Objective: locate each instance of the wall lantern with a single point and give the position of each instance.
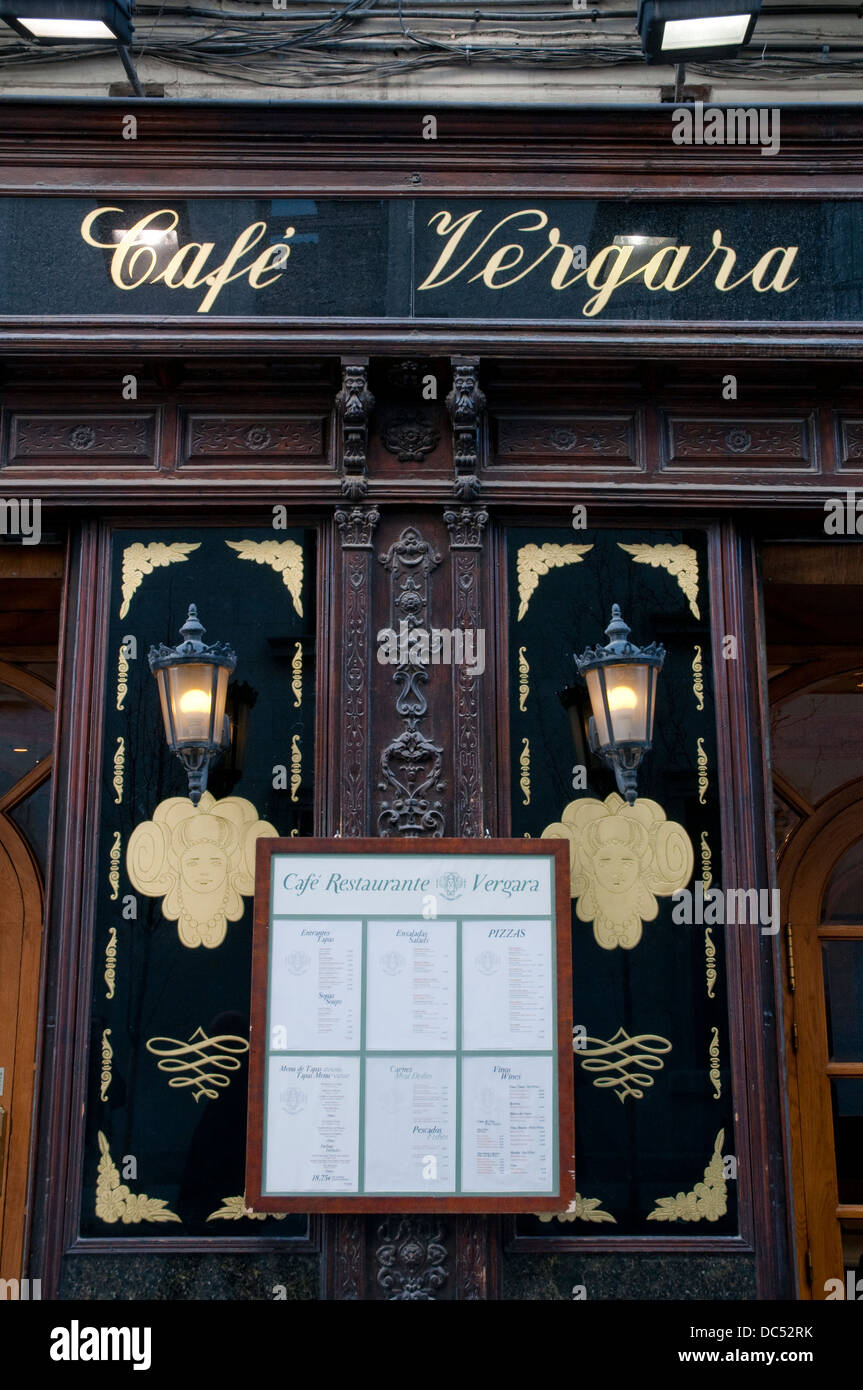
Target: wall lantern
(193, 686)
(673, 31)
(621, 682)
(68, 21)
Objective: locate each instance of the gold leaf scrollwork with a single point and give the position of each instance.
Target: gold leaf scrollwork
(524, 762)
(285, 557)
(122, 672)
(234, 1209)
(681, 562)
(200, 860)
(139, 560)
(111, 962)
(698, 679)
(107, 1054)
(715, 1079)
(582, 1209)
(703, 782)
(297, 675)
(533, 561)
(523, 678)
(119, 765)
(200, 1063)
(621, 859)
(707, 1201)
(296, 766)
(114, 1201)
(624, 1063)
(709, 945)
(114, 871)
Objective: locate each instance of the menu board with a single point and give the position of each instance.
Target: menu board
(411, 1040)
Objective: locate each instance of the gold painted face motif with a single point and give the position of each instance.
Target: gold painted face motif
(200, 860)
(616, 866)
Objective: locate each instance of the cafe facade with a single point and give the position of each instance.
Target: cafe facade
(337, 375)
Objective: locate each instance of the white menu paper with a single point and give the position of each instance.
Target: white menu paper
(410, 1124)
(312, 1125)
(315, 985)
(411, 985)
(508, 987)
(507, 1124)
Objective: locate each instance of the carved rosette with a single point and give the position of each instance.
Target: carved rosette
(410, 1259)
(466, 526)
(410, 435)
(354, 404)
(357, 528)
(410, 765)
(466, 404)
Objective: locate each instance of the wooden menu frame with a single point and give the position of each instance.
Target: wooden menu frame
(561, 1032)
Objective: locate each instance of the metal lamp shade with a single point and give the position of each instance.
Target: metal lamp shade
(70, 21)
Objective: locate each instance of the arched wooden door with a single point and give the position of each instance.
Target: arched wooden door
(821, 880)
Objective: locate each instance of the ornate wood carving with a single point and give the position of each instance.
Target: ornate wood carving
(465, 530)
(466, 404)
(411, 1258)
(81, 437)
(354, 404)
(410, 765)
(411, 435)
(259, 436)
(850, 444)
(751, 444)
(357, 528)
(576, 436)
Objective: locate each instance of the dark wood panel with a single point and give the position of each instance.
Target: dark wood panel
(738, 443)
(220, 441)
(76, 440)
(558, 440)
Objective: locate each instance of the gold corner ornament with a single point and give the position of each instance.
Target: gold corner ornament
(707, 1201)
(533, 561)
(115, 1202)
(110, 976)
(681, 562)
(524, 763)
(200, 860)
(119, 765)
(582, 1209)
(715, 1079)
(139, 559)
(235, 1209)
(114, 859)
(703, 780)
(122, 673)
(297, 675)
(624, 1063)
(285, 557)
(107, 1069)
(296, 766)
(621, 859)
(203, 1063)
(698, 679)
(523, 678)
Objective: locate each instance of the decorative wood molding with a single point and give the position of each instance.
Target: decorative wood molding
(412, 1261)
(354, 404)
(740, 444)
(357, 528)
(81, 438)
(466, 526)
(466, 404)
(411, 435)
(605, 438)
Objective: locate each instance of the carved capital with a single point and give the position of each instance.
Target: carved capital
(354, 404)
(466, 404)
(466, 527)
(357, 527)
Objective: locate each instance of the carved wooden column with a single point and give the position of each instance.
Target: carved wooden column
(357, 527)
(354, 404)
(466, 526)
(466, 404)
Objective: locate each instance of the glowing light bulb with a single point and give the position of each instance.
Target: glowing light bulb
(195, 702)
(622, 697)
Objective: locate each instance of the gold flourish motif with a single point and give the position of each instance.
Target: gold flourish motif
(535, 560)
(523, 678)
(709, 947)
(703, 782)
(681, 562)
(111, 962)
(189, 1062)
(297, 675)
(296, 766)
(107, 1054)
(139, 560)
(624, 1063)
(621, 857)
(285, 557)
(122, 672)
(582, 1209)
(714, 1064)
(114, 1201)
(234, 1209)
(708, 1199)
(200, 860)
(119, 764)
(524, 761)
(114, 871)
(698, 679)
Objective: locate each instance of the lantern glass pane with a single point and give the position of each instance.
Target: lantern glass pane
(627, 692)
(191, 694)
(595, 682)
(221, 698)
(163, 701)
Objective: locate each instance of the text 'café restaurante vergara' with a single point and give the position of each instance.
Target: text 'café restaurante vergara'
(462, 537)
